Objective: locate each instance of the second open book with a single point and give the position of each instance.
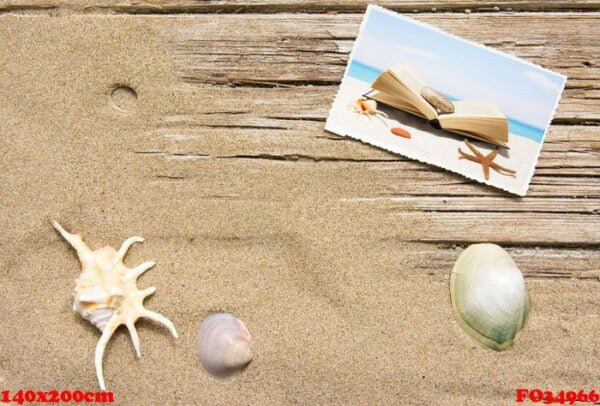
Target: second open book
(400, 87)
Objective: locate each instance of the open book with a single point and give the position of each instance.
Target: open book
(400, 87)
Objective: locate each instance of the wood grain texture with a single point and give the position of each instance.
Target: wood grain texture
(260, 93)
(313, 6)
(290, 50)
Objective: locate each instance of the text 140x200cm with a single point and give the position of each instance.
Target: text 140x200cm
(54, 396)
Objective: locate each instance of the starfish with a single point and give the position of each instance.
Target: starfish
(486, 161)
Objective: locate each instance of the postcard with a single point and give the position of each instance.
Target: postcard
(415, 90)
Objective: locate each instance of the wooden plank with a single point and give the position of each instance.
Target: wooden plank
(278, 126)
(561, 210)
(505, 228)
(287, 124)
(282, 40)
(481, 205)
(275, 128)
(313, 6)
(381, 194)
(539, 263)
(285, 50)
(273, 134)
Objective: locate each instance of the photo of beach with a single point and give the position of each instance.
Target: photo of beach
(459, 70)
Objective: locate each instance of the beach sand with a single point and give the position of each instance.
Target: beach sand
(344, 305)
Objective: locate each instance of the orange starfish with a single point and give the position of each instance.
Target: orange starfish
(486, 161)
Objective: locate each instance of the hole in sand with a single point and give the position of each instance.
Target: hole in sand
(123, 98)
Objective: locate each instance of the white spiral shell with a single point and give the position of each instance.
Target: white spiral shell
(106, 293)
(224, 345)
(488, 295)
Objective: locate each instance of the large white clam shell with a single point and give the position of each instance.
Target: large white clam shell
(488, 295)
(224, 345)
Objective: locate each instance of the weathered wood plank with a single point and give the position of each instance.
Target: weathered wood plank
(287, 124)
(448, 204)
(443, 208)
(569, 150)
(283, 46)
(536, 262)
(286, 50)
(384, 193)
(313, 6)
(392, 180)
(284, 126)
(505, 229)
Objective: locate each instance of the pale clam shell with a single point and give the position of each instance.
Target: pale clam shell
(488, 295)
(224, 345)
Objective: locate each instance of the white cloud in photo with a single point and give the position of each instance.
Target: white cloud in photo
(542, 81)
(418, 52)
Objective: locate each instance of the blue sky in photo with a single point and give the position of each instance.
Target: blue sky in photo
(459, 69)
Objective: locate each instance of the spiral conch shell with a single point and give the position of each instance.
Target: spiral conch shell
(224, 345)
(106, 293)
(488, 295)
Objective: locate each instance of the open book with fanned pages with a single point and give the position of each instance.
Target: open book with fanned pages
(400, 87)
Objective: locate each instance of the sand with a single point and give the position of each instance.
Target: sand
(429, 145)
(343, 307)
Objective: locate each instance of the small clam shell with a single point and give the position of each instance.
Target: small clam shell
(224, 345)
(488, 295)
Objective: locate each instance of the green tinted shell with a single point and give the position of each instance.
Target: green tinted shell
(488, 295)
